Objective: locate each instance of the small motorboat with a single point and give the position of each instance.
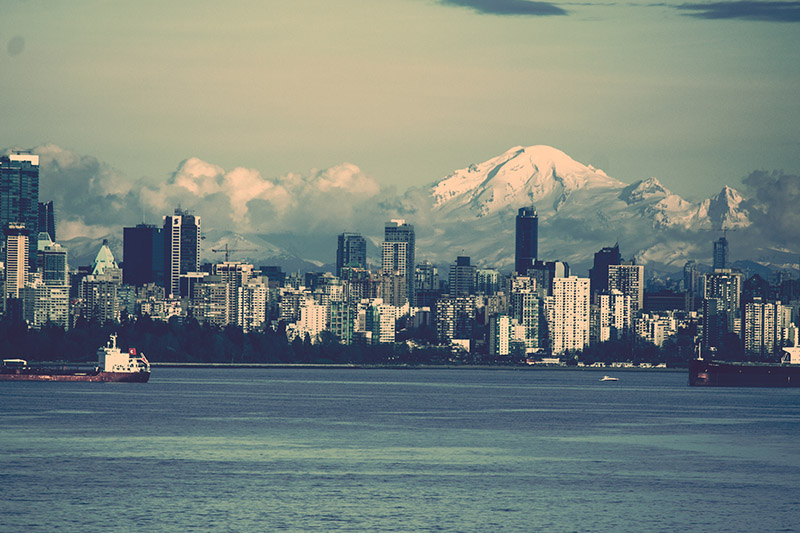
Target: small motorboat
(609, 378)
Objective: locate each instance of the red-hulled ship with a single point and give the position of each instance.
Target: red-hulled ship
(112, 365)
(710, 373)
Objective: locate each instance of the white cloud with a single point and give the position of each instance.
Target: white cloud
(91, 197)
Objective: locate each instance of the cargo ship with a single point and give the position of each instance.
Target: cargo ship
(711, 373)
(112, 365)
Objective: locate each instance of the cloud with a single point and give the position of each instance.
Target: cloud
(91, 198)
(774, 197)
(16, 45)
(508, 7)
(745, 10)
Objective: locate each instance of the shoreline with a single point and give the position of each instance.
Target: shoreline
(328, 366)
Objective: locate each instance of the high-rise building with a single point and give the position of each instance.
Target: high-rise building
(427, 285)
(568, 314)
(487, 281)
(544, 272)
(19, 195)
(236, 275)
(726, 286)
(455, 317)
(47, 219)
(16, 260)
(427, 276)
(527, 240)
(313, 321)
(98, 299)
(251, 306)
(629, 280)
(45, 303)
(143, 255)
(210, 301)
(691, 285)
(611, 316)
(392, 287)
(598, 274)
(342, 321)
(500, 335)
(51, 261)
(462, 277)
(351, 251)
(760, 333)
(380, 320)
(715, 323)
(525, 307)
(398, 231)
(181, 248)
(721, 253)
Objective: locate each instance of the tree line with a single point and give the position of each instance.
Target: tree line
(188, 341)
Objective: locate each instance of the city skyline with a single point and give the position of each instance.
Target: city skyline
(296, 217)
(541, 305)
(697, 95)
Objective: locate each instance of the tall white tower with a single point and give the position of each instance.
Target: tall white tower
(181, 248)
(17, 259)
(568, 314)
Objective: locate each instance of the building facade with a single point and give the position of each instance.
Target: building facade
(351, 250)
(181, 248)
(568, 314)
(19, 195)
(526, 248)
(143, 255)
(398, 231)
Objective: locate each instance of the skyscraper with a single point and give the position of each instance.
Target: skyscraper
(760, 334)
(181, 248)
(598, 274)
(462, 277)
(525, 306)
(721, 253)
(725, 285)
(47, 219)
(629, 280)
(236, 275)
(16, 260)
(351, 250)
(527, 246)
(51, 261)
(397, 231)
(142, 255)
(691, 284)
(568, 314)
(544, 272)
(19, 195)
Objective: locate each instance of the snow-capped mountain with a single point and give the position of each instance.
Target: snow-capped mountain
(472, 212)
(580, 210)
(520, 176)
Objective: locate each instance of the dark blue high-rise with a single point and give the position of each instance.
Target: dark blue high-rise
(351, 251)
(527, 248)
(19, 195)
(142, 255)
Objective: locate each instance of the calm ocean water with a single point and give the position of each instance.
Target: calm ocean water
(398, 450)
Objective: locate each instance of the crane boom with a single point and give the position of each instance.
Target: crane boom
(228, 251)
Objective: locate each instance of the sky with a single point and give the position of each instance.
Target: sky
(699, 95)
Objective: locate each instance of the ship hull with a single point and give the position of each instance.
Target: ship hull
(705, 373)
(106, 377)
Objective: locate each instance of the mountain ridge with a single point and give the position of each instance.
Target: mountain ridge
(471, 211)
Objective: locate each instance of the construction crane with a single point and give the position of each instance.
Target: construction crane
(229, 250)
(723, 230)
